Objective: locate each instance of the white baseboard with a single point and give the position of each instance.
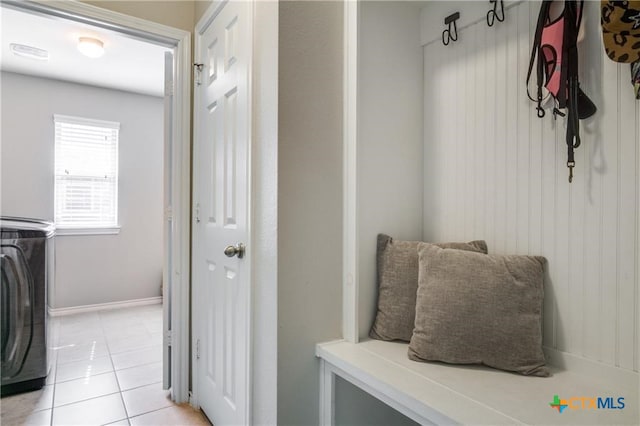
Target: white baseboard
(58, 312)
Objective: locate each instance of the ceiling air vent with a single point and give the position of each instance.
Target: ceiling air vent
(29, 52)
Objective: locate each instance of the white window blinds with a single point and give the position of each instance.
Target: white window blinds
(86, 172)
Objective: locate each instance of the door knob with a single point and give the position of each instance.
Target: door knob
(237, 250)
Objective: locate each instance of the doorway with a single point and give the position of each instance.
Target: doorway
(176, 168)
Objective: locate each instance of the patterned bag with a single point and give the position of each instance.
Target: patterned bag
(621, 35)
(635, 78)
(621, 30)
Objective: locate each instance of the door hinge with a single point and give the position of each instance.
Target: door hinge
(168, 213)
(167, 335)
(198, 349)
(168, 88)
(197, 68)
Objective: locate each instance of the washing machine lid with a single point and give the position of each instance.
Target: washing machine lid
(20, 227)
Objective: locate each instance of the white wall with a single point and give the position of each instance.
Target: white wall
(89, 269)
(390, 136)
(309, 199)
(495, 171)
(472, 11)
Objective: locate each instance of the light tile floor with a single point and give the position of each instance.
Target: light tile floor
(107, 370)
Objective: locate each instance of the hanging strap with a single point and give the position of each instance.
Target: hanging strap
(567, 96)
(536, 53)
(573, 18)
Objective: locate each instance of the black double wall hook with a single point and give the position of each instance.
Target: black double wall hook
(451, 33)
(494, 14)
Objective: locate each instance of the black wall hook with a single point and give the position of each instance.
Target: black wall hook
(451, 33)
(494, 14)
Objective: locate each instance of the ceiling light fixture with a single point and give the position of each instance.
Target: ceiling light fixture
(29, 52)
(91, 47)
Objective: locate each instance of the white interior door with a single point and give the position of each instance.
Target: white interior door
(221, 281)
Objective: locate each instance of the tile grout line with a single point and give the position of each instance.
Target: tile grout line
(88, 399)
(84, 377)
(126, 412)
(141, 348)
(138, 387)
(104, 372)
(152, 411)
(113, 372)
(85, 400)
(134, 349)
(55, 378)
(57, 363)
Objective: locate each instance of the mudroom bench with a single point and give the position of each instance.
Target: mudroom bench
(435, 393)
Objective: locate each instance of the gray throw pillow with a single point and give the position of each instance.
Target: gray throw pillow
(397, 263)
(479, 309)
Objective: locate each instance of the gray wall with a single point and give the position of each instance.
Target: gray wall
(309, 199)
(355, 407)
(390, 141)
(89, 269)
(180, 14)
(390, 156)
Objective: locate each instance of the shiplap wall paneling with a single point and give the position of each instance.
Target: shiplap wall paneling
(627, 244)
(495, 171)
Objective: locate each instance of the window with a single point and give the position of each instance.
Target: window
(86, 175)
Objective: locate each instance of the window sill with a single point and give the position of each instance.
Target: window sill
(111, 230)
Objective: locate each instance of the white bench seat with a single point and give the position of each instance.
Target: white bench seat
(446, 394)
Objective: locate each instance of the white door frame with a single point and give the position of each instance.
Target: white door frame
(350, 283)
(180, 167)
